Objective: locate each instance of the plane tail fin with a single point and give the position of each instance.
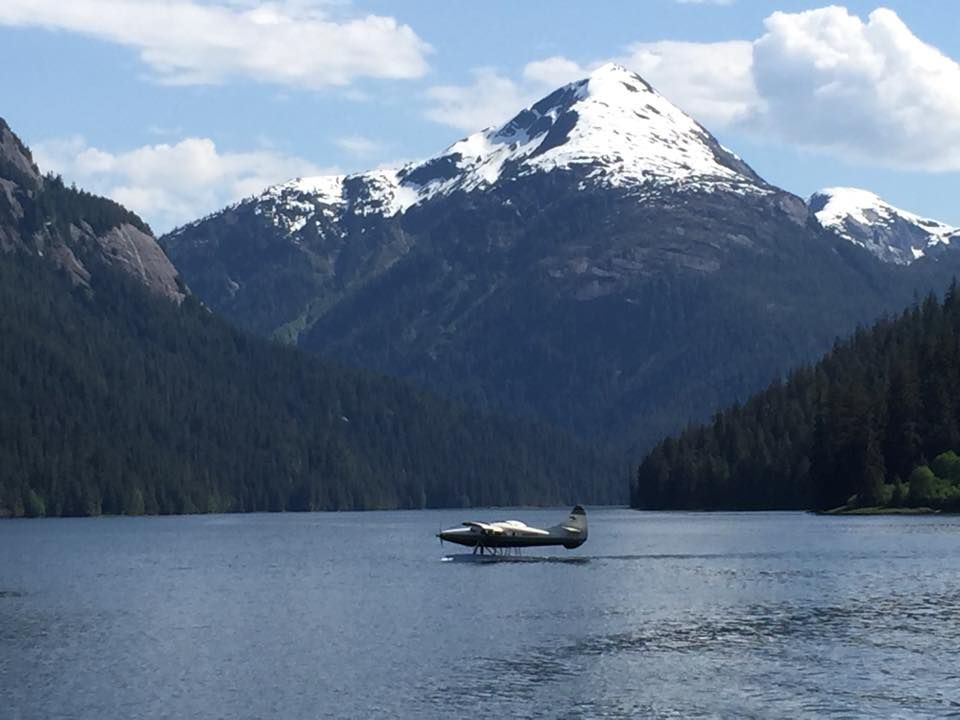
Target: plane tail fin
(577, 519)
(575, 526)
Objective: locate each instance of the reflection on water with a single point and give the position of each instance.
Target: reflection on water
(351, 615)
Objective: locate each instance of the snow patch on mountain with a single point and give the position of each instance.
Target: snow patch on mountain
(892, 234)
(327, 189)
(379, 193)
(613, 124)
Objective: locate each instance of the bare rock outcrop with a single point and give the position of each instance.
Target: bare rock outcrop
(71, 228)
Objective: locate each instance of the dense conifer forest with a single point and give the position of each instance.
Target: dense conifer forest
(65, 206)
(113, 401)
(856, 429)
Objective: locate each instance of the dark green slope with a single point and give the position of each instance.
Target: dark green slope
(856, 423)
(115, 401)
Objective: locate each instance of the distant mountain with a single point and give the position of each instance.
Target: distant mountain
(600, 261)
(852, 428)
(119, 393)
(39, 215)
(892, 234)
(278, 261)
(613, 127)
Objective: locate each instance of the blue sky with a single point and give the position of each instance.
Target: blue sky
(178, 107)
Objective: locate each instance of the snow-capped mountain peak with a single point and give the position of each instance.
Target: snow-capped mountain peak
(611, 129)
(892, 234)
(612, 125)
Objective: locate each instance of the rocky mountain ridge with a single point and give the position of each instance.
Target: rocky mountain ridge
(37, 215)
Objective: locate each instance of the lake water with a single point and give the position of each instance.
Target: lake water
(355, 615)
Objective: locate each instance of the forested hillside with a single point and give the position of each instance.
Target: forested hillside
(114, 401)
(852, 428)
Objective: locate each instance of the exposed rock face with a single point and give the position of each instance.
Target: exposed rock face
(41, 216)
(15, 159)
(599, 261)
(139, 254)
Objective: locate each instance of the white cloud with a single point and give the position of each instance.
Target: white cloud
(170, 184)
(710, 81)
(290, 42)
(871, 91)
(553, 71)
(490, 98)
(357, 145)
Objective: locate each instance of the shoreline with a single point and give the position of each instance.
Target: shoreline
(845, 510)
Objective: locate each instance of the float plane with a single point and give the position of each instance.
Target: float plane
(496, 537)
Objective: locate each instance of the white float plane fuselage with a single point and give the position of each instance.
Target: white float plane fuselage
(515, 534)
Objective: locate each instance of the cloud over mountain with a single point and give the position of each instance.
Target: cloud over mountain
(711, 81)
(169, 184)
(486, 100)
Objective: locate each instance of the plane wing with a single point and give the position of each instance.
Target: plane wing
(508, 527)
(518, 528)
(484, 527)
